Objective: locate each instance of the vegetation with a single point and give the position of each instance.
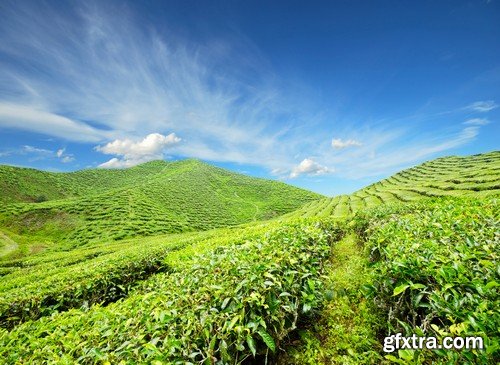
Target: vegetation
(150, 199)
(321, 285)
(226, 305)
(436, 273)
(477, 175)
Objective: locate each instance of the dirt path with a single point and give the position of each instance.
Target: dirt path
(7, 245)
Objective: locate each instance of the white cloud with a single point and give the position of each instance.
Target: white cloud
(477, 121)
(35, 150)
(30, 118)
(135, 152)
(338, 143)
(482, 106)
(67, 159)
(37, 153)
(114, 163)
(63, 156)
(309, 167)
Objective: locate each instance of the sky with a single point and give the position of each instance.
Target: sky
(327, 96)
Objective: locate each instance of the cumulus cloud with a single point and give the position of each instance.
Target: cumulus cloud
(135, 152)
(309, 167)
(339, 144)
(482, 106)
(477, 121)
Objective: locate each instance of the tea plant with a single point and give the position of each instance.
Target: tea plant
(477, 175)
(227, 305)
(150, 199)
(436, 267)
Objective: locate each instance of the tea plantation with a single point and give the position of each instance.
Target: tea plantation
(416, 253)
(477, 175)
(153, 198)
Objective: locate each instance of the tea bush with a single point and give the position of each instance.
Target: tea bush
(227, 305)
(437, 268)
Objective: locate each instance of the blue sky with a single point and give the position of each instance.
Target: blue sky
(329, 96)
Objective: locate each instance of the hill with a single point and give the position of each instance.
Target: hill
(28, 185)
(319, 290)
(477, 175)
(153, 198)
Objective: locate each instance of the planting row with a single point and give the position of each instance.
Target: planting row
(100, 275)
(224, 306)
(436, 269)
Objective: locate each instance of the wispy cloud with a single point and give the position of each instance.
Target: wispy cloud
(35, 150)
(135, 152)
(36, 153)
(482, 106)
(34, 119)
(391, 158)
(94, 74)
(477, 121)
(104, 78)
(339, 144)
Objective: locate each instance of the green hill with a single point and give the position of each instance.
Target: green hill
(477, 175)
(153, 198)
(318, 290)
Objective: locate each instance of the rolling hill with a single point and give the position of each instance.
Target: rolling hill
(477, 175)
(153, 198)
(310, 287)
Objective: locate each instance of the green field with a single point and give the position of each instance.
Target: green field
(185, 263)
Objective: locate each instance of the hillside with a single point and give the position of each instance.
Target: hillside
(156, 197)
(319, 290)
(19, 184)
(477, 175)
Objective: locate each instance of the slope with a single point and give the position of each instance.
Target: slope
(153, 198)
(477, 175)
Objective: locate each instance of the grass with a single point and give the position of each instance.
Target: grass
(345, 330)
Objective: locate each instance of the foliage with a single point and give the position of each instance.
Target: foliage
(228, 304)
(244, 294)
(436, 273)
(57, 281)
(476, 175)
(150, 199)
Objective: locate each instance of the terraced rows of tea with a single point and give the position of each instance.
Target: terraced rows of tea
(153, 198)
(295, 290)
(477, 175)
